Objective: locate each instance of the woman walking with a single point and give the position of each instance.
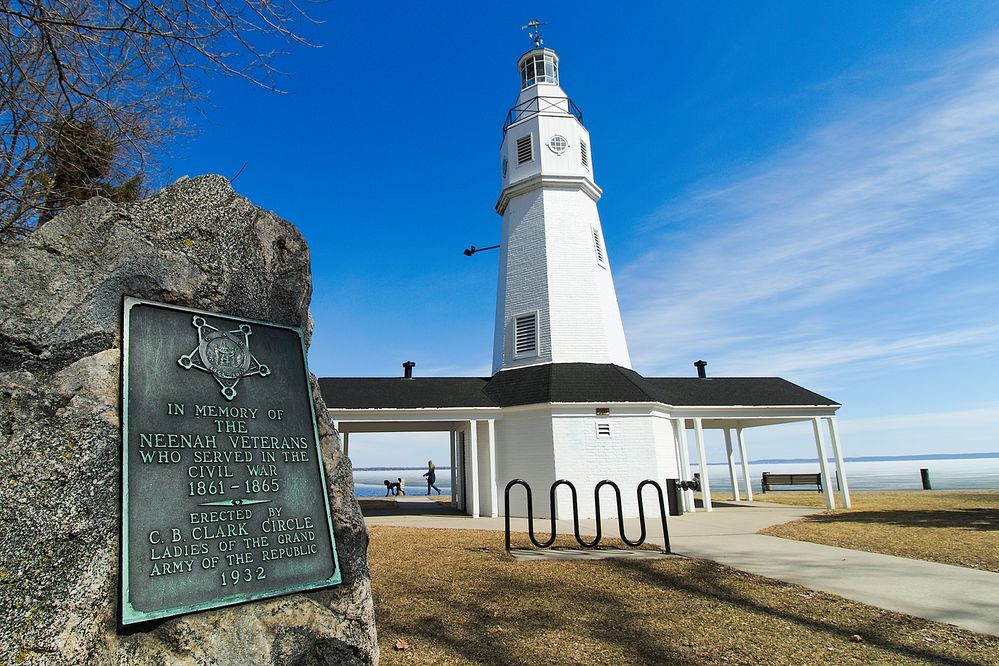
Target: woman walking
(431, 475)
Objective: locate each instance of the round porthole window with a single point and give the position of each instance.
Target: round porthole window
(558, 144)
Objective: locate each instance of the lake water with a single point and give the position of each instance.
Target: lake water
(864, 475)
(877, 475)
(370, 483)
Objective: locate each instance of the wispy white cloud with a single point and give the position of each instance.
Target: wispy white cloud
(454, 370)
(873, 239)
(810, 356)
(947, 420)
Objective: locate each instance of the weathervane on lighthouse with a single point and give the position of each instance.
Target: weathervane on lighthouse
(534, 25)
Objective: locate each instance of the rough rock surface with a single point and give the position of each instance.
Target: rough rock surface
(197, 244)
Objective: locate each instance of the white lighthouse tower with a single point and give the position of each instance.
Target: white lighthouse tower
(556, 301)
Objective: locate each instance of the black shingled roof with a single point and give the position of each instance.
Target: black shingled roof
(400, 393)
(562, 383)
(567, 382)
(733, 391)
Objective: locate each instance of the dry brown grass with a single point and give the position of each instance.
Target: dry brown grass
(454, 597)
(959, 527)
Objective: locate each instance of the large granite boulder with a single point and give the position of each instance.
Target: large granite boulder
(196, 244)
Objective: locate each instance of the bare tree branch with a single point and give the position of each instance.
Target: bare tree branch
(125, 71)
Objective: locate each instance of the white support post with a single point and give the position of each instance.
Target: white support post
(681, 439)
(844, 488)
(741, 438)
(703, 464)
(346, 443)
(454, 469)
(473, 448)
(491, 433)
(823, 468)
(459, 447)
(731, 464)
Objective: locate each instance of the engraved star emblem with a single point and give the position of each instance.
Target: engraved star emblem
(224, 354)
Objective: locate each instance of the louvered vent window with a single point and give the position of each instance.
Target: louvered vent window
(598, 246)
(525, 342)
(525, 151)
(603, 430)
(584, 154)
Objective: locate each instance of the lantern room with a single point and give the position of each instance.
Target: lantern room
(538, 66)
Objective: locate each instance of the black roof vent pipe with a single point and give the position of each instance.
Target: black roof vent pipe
(407, 368)
(700, 365)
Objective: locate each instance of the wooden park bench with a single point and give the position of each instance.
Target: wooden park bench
(770, 480)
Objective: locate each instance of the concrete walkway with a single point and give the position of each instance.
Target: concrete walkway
(955, 595)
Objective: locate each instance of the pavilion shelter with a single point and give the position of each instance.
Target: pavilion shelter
(508, 426)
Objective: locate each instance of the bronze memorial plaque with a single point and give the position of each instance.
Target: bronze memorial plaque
(223, 492)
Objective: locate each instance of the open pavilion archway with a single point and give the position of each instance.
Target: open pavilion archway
(472, 433)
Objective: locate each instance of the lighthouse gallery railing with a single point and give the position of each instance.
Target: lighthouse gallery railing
(536, 105)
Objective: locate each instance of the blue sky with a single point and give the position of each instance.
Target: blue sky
(801, 189)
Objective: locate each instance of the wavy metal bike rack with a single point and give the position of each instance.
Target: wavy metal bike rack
(575, 513)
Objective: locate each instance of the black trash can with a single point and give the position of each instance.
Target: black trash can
(674, 496)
